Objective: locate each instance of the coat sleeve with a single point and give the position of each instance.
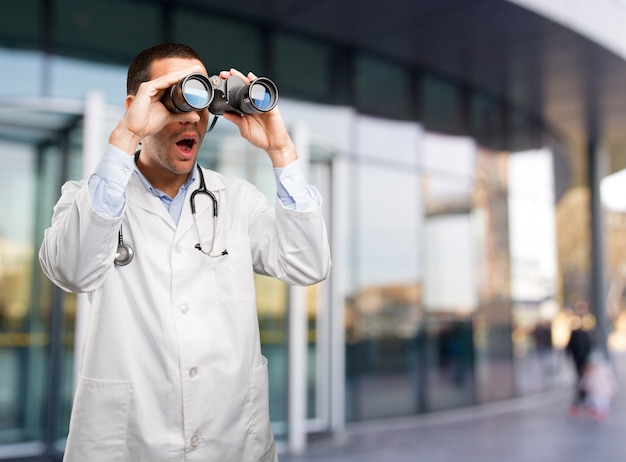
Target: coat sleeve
(288, 244)
(79, 246)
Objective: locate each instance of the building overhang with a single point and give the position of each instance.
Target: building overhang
(574, 85)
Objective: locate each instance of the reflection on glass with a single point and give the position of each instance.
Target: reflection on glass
(36, 319)
(449, 262)
(534, 280)
(272, 297)
(384, 312)
(22, 340)
(492, 320)
(450, 271)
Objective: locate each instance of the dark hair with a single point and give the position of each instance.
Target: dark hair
(140, 68)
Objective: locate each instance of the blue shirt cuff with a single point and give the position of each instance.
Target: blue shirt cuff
(108, 182)
(293, 190)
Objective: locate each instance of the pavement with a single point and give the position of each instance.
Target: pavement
(533, 428)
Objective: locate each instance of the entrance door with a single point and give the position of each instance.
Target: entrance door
(38, 150)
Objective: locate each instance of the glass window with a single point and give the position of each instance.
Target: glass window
(493, 318)
(449, 301)
(23, 361)
(486, 120)
(272, 304)
(524, 134)
(20, 73)
(451, 260)
(449, 156)
(384, 311)
(222, 43)
(382, 88)
(388, 141)
(36, 318)
(534, 282)
(70, 78)
(441, 108)
(57, 308)
(106, 30)
(20, 24)
(303, 67)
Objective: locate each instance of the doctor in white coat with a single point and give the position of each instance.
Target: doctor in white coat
(172, 368)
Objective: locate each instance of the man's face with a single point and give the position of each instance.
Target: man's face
(175, 147)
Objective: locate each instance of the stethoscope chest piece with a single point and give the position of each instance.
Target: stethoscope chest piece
(124, 253)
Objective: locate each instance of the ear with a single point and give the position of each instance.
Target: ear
(129, 99)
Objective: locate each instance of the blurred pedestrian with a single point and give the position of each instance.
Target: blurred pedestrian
(579, 348)
(599, 386)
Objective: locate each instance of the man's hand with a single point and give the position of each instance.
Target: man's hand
(145, 114)
(265, 130)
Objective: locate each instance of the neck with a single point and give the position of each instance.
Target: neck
(161, 178)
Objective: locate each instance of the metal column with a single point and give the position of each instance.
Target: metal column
(595, 157)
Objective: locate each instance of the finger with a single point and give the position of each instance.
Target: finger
(167, 80)
(234, 118)
(234, 71)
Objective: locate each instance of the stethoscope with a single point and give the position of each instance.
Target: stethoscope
(192, 201)
(125, 253)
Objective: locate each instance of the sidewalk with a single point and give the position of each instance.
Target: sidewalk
(529, 429)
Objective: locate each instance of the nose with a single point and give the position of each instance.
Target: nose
(192, 117)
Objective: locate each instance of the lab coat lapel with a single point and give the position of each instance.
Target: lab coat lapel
(137, 193)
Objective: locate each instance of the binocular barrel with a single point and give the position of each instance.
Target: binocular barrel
(197, 91)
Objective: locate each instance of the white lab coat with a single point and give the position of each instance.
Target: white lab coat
(172, 368)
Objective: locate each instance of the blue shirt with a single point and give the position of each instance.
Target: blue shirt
(109, 180)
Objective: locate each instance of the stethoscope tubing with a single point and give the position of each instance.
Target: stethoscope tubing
(125, 252)
(202, 189)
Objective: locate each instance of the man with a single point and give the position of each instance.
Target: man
(172, 368)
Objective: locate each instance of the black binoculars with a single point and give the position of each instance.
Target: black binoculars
(197, 91)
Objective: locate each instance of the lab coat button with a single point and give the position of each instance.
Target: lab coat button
(184, 308)
(193, 372)
(178, 248)
(195, 440)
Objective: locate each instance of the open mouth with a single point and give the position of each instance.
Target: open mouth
(186, 145)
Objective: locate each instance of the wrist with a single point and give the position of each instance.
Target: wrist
(283, 156)
(124, 139)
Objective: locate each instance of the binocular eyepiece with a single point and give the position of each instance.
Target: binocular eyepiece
(197, 91)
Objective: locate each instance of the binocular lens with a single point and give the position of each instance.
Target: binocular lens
(193, 93)
(197, 94)
(261, 96)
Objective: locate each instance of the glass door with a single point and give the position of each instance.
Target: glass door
(318, 320)
(36, 318)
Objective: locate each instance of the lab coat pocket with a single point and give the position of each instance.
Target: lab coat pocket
(264, 447)
(99, 421)
(234, 272)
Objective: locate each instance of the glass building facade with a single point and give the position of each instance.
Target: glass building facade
(442, 201)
